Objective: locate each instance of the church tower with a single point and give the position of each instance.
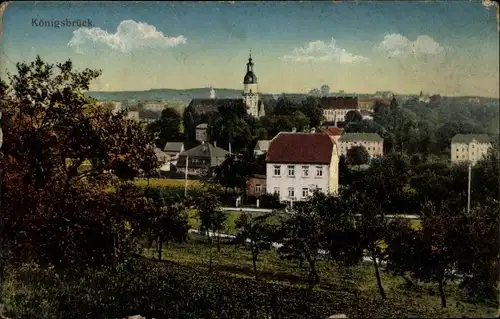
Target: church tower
(251, 91)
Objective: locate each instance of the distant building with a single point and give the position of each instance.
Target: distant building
(164, 160)
(366, 115)
(469, 147)
(366, 104)
(335, 108)
(173, 149)
(256, 185)
(261, 147)
(373, 143)
(299, 163)
(333, 132)
(201, 160)
(133, 115)
(201, 132)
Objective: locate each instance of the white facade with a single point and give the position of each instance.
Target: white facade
(294, 182)
(374, 148)
(251, 97)
(336, 115)
(471, 152)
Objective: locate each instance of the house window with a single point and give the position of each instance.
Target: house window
(291, 170)
(305, 192)
(257, 188)
(291, 192)
(472, 145)
(305, 171)
(277, 170)
(319, 171)
(277, 191)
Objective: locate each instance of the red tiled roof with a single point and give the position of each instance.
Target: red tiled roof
(332, 131)
(300, 148)
(337, 102)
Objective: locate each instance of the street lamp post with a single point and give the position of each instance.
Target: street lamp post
(469, 186)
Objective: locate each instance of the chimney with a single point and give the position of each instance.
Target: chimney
(313, 130)
(294, 130)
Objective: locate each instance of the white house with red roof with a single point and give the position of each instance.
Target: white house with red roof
(299, 163)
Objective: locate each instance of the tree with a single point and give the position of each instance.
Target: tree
(300, 121)
(66, 219)
(212, 220)
(166, 221)
(303, 232)
(353, 116)
(255, 234)
(371, 229)
(311, 108)
(357, 155)
(325, 90)
(167, 127)
(478, 259)
(315, 92)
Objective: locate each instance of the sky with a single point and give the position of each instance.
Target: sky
(448, 48)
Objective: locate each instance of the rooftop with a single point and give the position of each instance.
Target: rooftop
(468, 138)
(348, 137)
(300, 148)
(339, 102)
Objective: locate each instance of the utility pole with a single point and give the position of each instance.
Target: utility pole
(469, 186)
(186, 177)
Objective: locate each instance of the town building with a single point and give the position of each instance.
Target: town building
(261, 147)
(201, 160)
(164, 160)
(366, 104)
(173, 149)
(256, 185)
(297, 164)
(333, 132)
(336, 107)
(469, 147)
(201, 132)
(373, 143)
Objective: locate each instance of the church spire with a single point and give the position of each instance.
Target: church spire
(250, 77)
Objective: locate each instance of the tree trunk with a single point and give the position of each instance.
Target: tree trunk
(313, 274)
(2, 274)
(218, 243)
(377, 274)
(159, 247)
(441, 293)
(210, 254)
(254, 262)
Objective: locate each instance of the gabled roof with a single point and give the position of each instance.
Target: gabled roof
(173, 147)
(300, 148)
(349, 137)
(467, 138)
(332, 131)
(204, 151)
(160, 154)
(338, 102)
(262, 145)
(204, 106)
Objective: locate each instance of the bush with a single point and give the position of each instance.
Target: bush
(271, 201)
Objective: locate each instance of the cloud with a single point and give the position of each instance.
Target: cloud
(488, 3)
(397, 45)
(129, 36)
(319, 51)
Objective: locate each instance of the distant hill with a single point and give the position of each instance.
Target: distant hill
(165, 94)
